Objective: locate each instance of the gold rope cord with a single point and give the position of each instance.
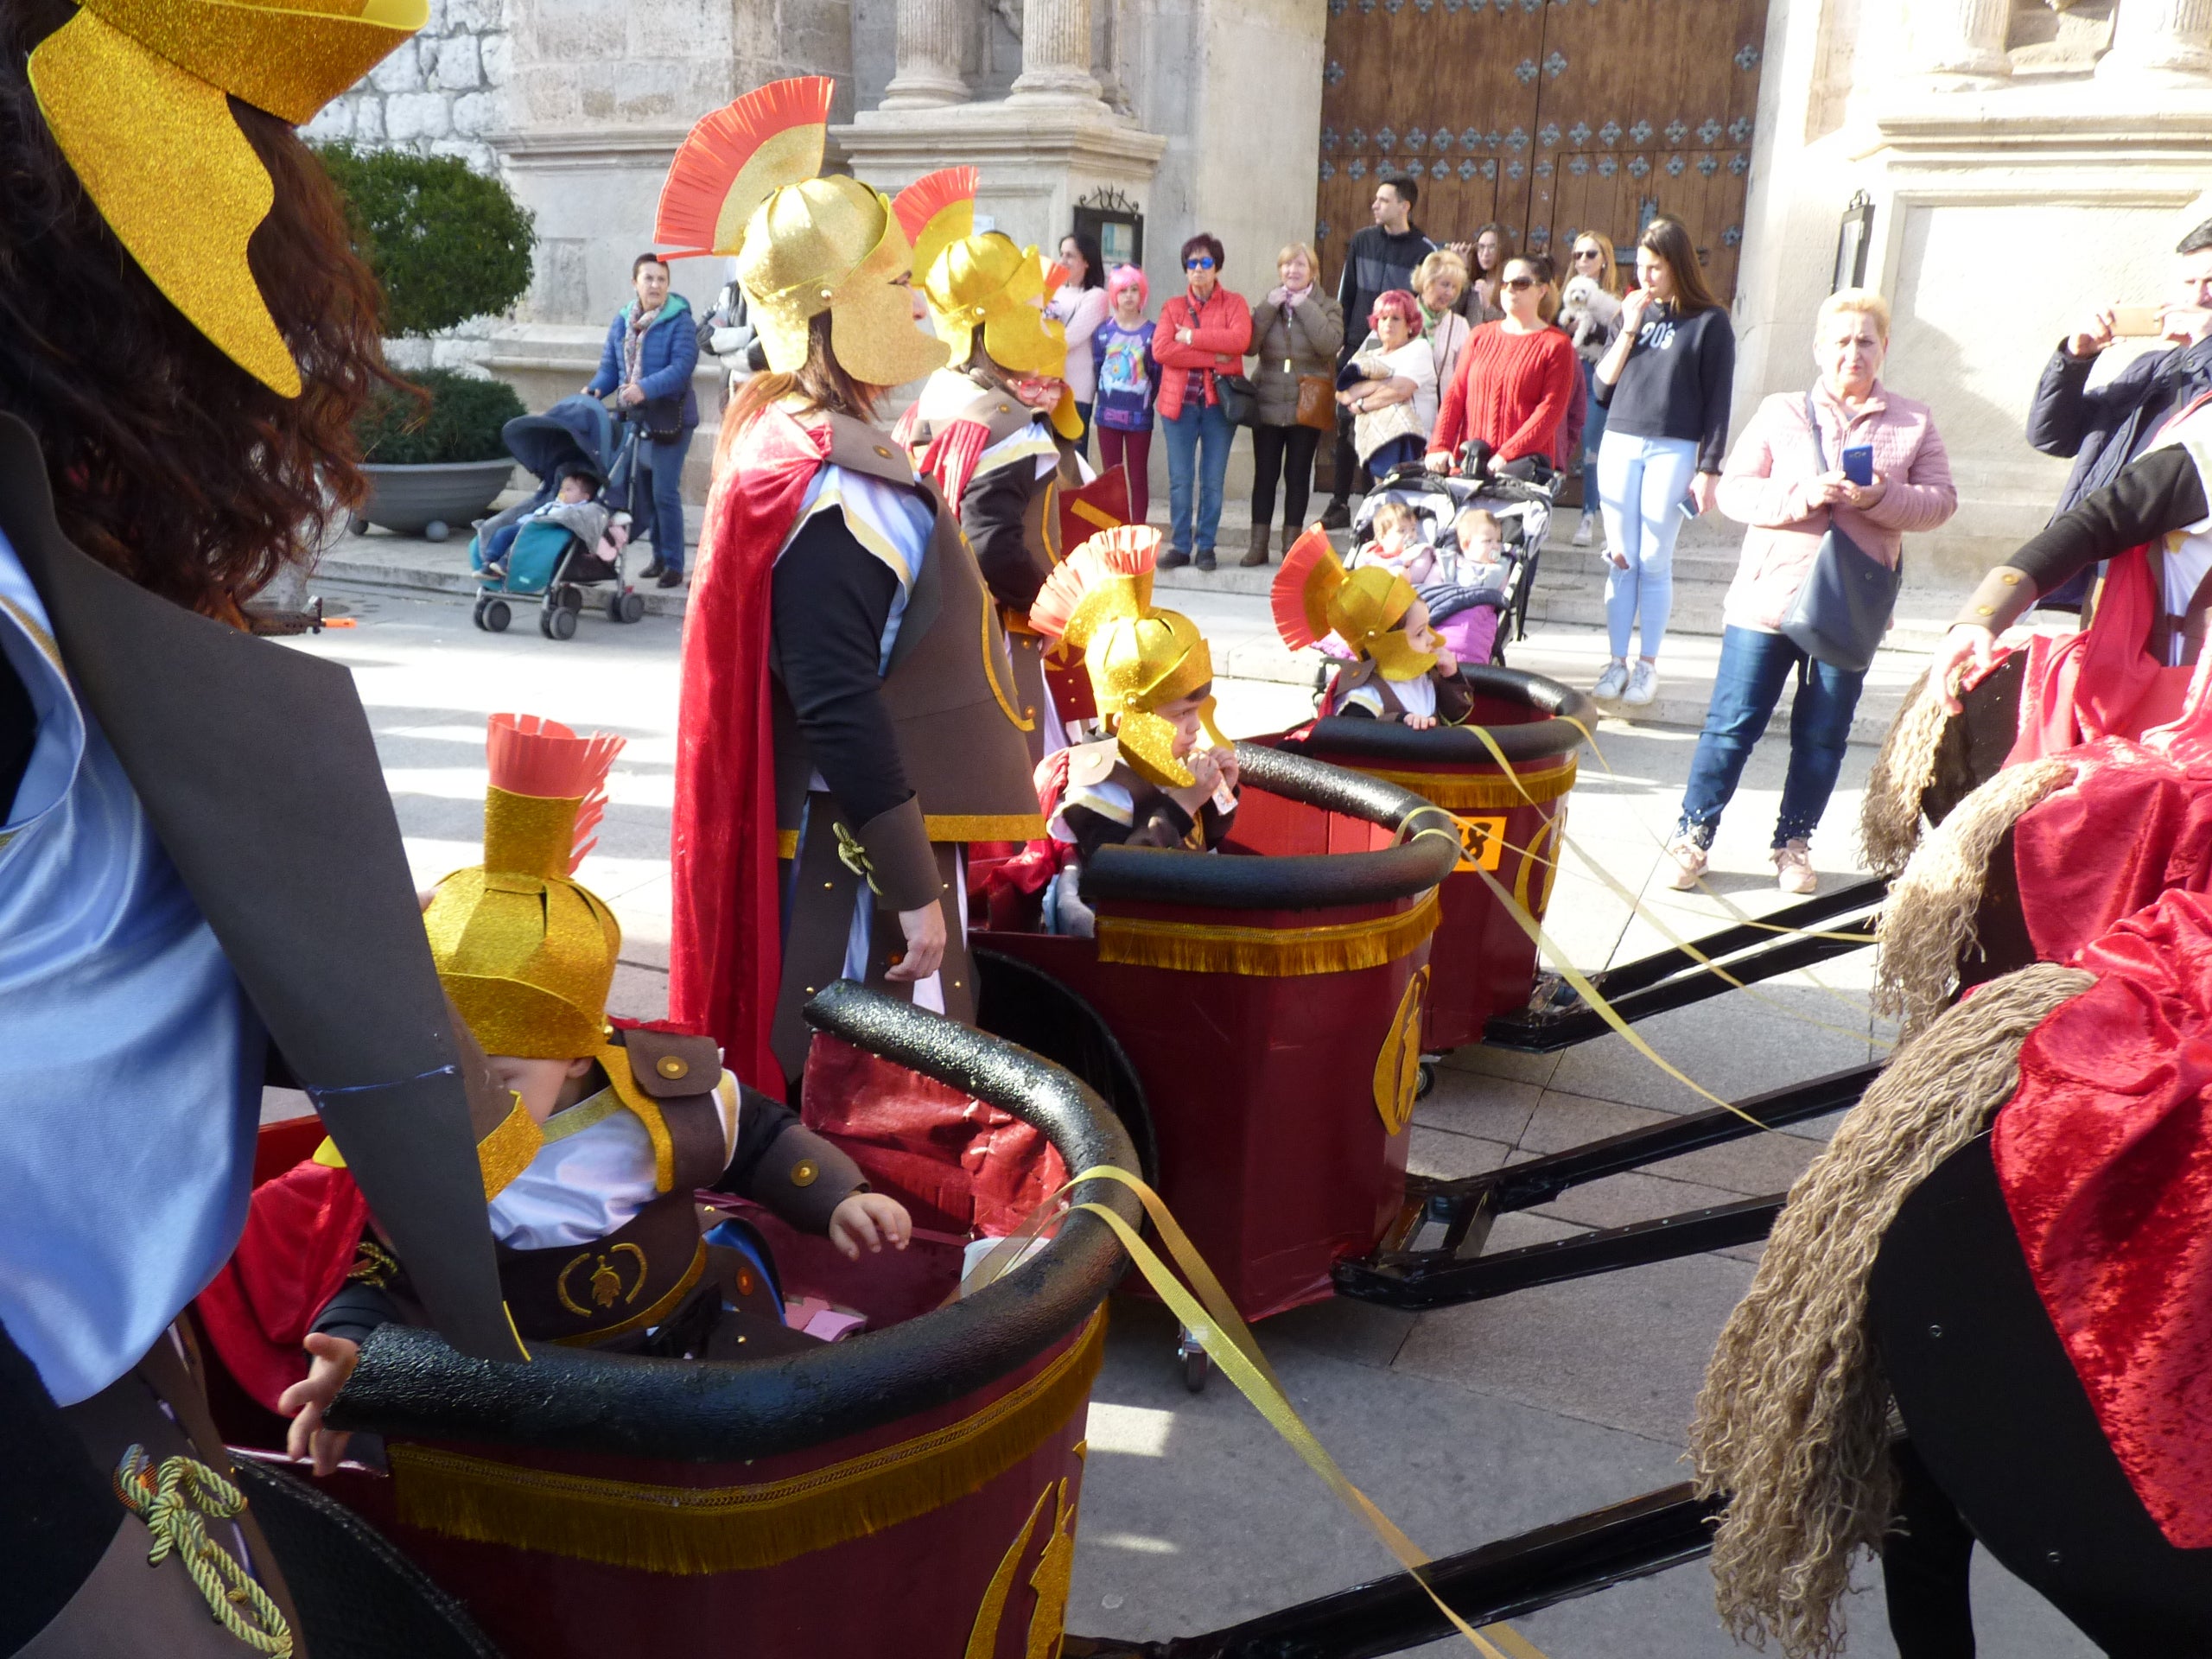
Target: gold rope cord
(171, 1498)
(1267, 952)
(693, 1530)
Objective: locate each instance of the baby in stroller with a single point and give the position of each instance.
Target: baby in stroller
(575, 507)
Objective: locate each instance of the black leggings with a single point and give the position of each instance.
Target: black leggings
(1288, 450)
(1925, 1568)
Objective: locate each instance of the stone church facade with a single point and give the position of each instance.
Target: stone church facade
(1994, 165)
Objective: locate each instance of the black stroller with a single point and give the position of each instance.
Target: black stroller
(1522, 507)
(545, 561)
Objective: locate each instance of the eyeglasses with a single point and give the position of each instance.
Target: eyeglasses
(1520, 281)
(1203, 262)
(1588, 253)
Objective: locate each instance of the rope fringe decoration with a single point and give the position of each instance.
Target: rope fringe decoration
(1793, 1421)
(1888, 818)
(171, 1498)
(1928, 925)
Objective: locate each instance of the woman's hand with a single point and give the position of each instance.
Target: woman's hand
(1704, 490)
(1438, 460)
(332, 1361)
(924, 932)
(1863, 496)
(1279, 294)
(873, 1219)
(633, 394)
(1967, 643)
(1634, 304)
(1185, 336)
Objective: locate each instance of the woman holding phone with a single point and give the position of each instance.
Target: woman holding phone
(1664, 385)
(1849, 454)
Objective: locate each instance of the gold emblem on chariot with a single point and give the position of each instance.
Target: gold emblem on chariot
(1397, 1068)
(602, 1284)
(1482, 841)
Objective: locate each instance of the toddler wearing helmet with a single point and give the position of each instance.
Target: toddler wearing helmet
(1404, 672)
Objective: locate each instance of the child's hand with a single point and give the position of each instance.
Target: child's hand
(1420, 722)
(333, 1359)
(1446, 664)
(1225, 767)
(870, 1218)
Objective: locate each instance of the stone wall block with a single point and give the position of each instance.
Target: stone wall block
(496, 57)
(400, 72)
(368, 121)
(460, 69)
(475, 114)
(411, 116)
(334, 124)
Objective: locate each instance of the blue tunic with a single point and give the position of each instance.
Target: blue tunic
(127, 1106)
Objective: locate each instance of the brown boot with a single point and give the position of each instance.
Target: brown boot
(1257, 553)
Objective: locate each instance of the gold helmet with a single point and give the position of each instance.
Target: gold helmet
(985, 284)
(525, 953)
(744, 183)
(1314, 595)
(137, 94)
(1140, 658)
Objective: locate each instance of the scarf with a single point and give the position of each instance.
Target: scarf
(633, 343)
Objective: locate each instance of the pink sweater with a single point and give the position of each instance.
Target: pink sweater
(1769, 476)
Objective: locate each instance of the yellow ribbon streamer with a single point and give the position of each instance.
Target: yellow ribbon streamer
(1212, 1318)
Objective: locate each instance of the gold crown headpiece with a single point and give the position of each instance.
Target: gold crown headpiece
(1140, 658)
(745, 183)
(136, 93)
(1312, 595)
(985, 283)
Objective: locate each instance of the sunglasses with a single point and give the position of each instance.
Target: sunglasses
(1201, 263)
(1520, 281)
(1588, 253)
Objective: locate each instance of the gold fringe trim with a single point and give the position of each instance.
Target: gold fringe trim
(1927, 922)
(507, 1151)
(694, 1531)
(1459, 791)
(1793, 1422)
(983, 826)
(1266, 952)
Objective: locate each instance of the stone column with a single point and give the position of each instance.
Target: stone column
(1056, 53)
(2165, 39)
(932, 44)
(1960, 39)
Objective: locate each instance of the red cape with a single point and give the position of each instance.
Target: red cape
(297, 1248)
(726, 949)
(2105, 1155)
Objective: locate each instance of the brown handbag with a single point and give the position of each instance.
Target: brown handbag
(1317, 403)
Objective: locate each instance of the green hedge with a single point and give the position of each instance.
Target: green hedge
(462, 424)
(447, 244)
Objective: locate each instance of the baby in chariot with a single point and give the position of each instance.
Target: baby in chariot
(590, 1179)
(1403, 671)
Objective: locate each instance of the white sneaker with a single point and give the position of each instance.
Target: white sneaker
(1793, 869)
(1690, 861)
(1642, 685)
(1586, 531)
(1612, 683)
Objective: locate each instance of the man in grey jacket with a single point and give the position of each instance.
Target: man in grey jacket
(2104, 428)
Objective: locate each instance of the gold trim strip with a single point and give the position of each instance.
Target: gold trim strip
(1455, 790)
(991, 675)
(1266, 952)
(787, 844)
(507, 1151)
(983, 826)
(693, 1530)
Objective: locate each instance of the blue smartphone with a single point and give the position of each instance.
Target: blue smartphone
(1858, 464)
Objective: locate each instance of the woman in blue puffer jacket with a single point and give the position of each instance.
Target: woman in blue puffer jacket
(651, 347)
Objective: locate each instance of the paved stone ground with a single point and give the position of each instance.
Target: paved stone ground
(1466, 1424)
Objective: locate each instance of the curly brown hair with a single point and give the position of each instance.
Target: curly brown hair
(168, 463)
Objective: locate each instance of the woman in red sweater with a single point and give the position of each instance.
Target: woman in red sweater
(1514, 382)
(1204, 334)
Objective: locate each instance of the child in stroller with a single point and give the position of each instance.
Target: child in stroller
(1470, 598)
(566, 538)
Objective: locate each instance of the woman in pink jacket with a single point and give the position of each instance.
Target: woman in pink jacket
(1204, 334)
(1775, 483)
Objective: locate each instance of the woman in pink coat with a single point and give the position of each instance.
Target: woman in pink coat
(1775, 483)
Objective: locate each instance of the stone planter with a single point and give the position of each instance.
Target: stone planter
(430, 500)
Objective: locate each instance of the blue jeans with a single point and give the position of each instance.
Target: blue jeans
(1641, 483)
(1593, 433)
(660, 471)
(1197, 441)
(1754, 667)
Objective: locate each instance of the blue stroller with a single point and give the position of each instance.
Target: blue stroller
(548, 562)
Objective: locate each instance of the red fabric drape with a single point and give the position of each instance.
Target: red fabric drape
(726, 947)
(297, 1248)
(2105, 1156)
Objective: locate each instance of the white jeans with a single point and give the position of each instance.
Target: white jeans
(1641, 483)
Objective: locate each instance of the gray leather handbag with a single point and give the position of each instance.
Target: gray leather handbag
(1843, 610)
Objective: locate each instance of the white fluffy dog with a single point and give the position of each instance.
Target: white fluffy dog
(1586, 309)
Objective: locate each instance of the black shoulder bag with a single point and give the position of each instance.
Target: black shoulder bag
(1843, 610)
